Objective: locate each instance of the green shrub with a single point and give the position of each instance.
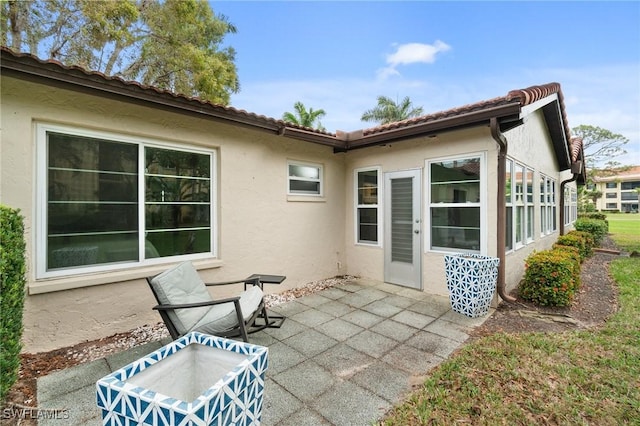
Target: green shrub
(589, 240)
(12, 292)
(593, 215)
(577, 241)
(550, 278)
(574, 254)
(596, 227)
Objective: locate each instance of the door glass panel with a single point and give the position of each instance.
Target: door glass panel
(402, 220)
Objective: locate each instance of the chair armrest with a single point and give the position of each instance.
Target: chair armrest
(253, 281)
(196, 304)
(244, 280)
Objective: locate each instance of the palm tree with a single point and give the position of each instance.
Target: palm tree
(388, 111)
(305, 118)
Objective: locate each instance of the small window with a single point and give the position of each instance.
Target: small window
(305, 178)
(612, 185)
(612, 206)
(612, 195)
(367, 206)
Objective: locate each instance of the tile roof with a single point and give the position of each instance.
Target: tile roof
(632, 172)
(521, 97)
(503, 107)
(71, 70)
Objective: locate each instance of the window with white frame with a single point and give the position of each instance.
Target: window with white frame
(509, 205)
(547, 205)
(455, 203)
(570, 205)
(304, 178)
(367, 190)
(112, 200)
(530, 215)
(519, 205)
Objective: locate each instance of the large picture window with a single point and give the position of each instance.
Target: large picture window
(367, 206)
(455, 195)
(112, 200)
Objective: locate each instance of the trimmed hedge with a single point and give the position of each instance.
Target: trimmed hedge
(595, 227)
(551, 278)
(12, 293)
(593, 215)
(578, 241)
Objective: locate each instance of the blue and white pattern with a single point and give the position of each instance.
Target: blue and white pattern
(471, 281)
(236, 399)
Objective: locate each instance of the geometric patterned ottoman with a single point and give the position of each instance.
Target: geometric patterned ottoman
(196, 380)
(471, 281)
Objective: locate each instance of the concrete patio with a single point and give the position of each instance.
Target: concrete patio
(344, 356)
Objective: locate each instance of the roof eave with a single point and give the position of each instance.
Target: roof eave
(76, 80)
(506, 112)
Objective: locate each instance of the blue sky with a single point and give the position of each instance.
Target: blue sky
(339, 56)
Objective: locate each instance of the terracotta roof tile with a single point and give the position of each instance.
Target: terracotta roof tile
(134, 85)
(522, 96)
(99, 80)
(576, 149)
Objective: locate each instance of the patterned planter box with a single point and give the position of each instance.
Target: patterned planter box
(471, 281)
(195, 380)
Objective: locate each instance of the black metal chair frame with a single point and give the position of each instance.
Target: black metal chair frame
(244, 327)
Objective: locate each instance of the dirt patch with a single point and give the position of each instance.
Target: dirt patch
(595, 302)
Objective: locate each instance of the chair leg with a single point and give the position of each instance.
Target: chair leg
(269, 321)
(241, 324)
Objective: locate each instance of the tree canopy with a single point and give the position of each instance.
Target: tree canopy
(305, 118)
(174, 45)
(388, 111)
(601, 146)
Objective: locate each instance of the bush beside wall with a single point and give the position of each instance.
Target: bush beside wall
(12, 293)
(593, 215)
(551, 277)
(580, 240)
(596, 227)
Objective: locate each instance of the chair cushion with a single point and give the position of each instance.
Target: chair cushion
(182, 284)
(223, 317)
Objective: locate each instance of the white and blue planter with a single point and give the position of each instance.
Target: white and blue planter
(471, 281)
(193, 381)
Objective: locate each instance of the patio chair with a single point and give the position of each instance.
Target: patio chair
(185, 304)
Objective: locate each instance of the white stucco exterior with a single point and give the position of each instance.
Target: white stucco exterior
(259, 228)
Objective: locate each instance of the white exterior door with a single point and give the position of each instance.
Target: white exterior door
(402, 228)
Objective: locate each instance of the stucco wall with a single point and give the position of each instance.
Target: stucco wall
(530, 145)
(261, 230)
(368, 261)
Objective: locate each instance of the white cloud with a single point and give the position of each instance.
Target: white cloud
(411, 53)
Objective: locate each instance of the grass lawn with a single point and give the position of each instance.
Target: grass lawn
(625, 230)
(573, 378)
